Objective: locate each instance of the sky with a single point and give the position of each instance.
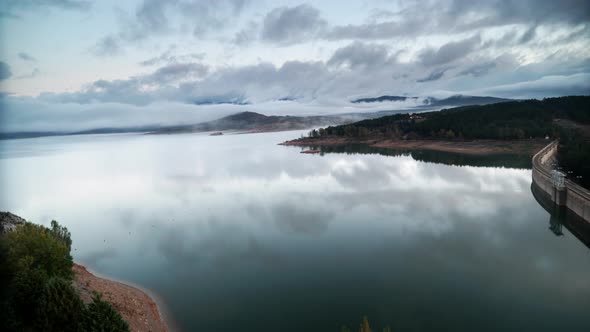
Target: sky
(73, 64)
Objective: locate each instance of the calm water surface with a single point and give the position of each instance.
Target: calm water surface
(236, 233)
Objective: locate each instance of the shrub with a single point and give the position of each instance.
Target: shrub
(47, 253)
(102, 317)
(37, 294)
(60, 308)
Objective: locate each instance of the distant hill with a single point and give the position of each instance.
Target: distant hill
(456, 100)
(463, 100)
(244, 121)
(256, 122)
(382, 99)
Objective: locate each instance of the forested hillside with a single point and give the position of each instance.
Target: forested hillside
(509, 120)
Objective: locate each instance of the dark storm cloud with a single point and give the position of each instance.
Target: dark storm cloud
(422, 18)
(456, 16)
(478, 70)
(26, 57)
(286, 25)
(5, 72)
(434, 76)
(503, 12)
(528, 35)
(360, 54)
(449, 52)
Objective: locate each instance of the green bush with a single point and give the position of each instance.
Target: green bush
(60, 308)
(47, 253)
(102, 317)
(36, 292)
(27, 288)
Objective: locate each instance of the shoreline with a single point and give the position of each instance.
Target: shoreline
(473, 147)
(138, 306)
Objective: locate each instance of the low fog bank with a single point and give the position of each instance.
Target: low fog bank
(22, 114)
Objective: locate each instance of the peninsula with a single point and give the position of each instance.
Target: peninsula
(514, 127)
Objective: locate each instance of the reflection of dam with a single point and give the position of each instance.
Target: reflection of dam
(560, 216)
(552, 184)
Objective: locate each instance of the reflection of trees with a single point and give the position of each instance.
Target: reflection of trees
(436, 157)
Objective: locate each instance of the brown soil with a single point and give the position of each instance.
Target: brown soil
(475, 147)
(136, 307)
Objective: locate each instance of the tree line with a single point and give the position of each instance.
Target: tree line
(507, 120)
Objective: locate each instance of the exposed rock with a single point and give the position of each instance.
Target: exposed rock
(9, 221)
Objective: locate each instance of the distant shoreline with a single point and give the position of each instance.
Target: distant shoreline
(471, 147)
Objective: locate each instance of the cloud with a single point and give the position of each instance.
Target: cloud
(547, 86)
(479, 69)
(34, 73)
(5, 72)
(455, 16)
(505, 12)
(39, 114)
(360, 54)
(247, 34)
(10, 6)
(434, 76)
(163, 17)
(528, 35)
(175, 72)
(26, 57)
(107, 46)
(301, 219)
(168, 58)
(449, 52)
(287, 25)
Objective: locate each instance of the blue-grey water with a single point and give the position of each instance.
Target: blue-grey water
(237, 233)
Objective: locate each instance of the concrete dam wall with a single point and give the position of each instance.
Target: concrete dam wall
(561, 191)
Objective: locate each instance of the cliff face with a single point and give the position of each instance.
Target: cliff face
(8, 222)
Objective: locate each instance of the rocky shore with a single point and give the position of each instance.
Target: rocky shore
(137, 308)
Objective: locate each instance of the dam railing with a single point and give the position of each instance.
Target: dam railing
(566, 193)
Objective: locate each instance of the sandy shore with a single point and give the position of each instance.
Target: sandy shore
(474, 147)
(136, 307)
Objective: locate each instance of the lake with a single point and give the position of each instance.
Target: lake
(237, 233)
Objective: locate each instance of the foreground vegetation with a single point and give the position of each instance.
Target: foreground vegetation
(37, 293)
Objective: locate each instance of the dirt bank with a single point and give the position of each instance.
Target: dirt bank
(136, 307)
(474, 147)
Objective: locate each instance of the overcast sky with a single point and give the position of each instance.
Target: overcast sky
(67, 62)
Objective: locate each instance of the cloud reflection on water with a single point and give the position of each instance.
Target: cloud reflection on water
(234, 227)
